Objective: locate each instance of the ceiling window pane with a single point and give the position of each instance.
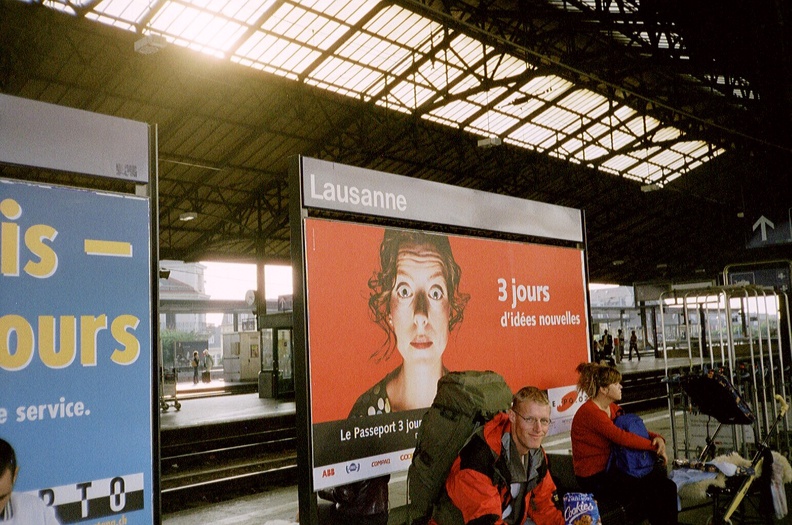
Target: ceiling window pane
(584, 102)
(532, 134)
(377, 54)
(456, 111)
(546, 88)
(557, 118)
(493, 123)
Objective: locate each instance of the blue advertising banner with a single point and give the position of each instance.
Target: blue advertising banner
(75, 351)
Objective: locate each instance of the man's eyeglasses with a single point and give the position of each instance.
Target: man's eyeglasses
(544, 421)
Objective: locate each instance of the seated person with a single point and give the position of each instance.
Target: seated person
(603, 350)
(19, 508)
(592, 434)
(500, 477)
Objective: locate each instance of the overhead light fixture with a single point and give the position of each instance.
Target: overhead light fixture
(618, 262)
(660, 266)
(188, 216)
(150, 44)
(489, 142)
(650, 187)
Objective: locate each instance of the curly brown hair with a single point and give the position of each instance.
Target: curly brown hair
(382, 282)
(593, 376)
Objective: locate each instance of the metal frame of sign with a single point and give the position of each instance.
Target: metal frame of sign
(326, 190)
(40, 135)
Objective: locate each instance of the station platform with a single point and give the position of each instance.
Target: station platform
(198, 411)
(278, 505)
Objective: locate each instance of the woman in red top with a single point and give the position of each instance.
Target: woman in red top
(592, 435)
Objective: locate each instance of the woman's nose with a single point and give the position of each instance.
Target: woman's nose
(421, 309)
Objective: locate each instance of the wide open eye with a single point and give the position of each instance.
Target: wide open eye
(403, 291)
(436, 292)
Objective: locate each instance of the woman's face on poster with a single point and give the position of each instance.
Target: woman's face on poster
(419, 307)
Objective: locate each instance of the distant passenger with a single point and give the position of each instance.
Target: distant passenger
(604, 349)
(634, 346)
(618, 346)
(195, 364)
(607, 343)
(415, 299)
(17, 508)
(208, 364)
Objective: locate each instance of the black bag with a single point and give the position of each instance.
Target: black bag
(714, 395)
(206, 376)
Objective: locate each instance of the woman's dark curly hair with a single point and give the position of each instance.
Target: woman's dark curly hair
(382, 282)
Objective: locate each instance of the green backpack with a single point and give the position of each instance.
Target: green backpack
(464, 402)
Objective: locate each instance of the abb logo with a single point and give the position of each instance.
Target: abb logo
(328, 473)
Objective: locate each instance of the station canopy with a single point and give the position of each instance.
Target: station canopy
(435, 66)
(668, 123)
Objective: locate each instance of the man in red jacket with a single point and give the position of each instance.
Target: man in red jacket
(500, 477)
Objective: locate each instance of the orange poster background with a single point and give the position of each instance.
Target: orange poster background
(341, 257)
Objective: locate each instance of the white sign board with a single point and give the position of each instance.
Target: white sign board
(45, 135)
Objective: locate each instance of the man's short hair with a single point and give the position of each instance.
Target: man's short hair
(7, 457)
(530, 393)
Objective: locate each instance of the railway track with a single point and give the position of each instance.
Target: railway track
(200, 465)
(643, 390)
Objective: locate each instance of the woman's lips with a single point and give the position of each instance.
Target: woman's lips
(421, 343)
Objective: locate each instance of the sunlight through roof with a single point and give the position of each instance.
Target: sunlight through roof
(400, 60)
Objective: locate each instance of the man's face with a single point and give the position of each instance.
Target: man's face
(6, 486)
(530, 422)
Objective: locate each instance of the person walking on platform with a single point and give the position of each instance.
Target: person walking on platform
(634, 345)
(195, 364)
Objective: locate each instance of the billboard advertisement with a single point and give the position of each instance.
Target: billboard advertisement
(390, 310)
(75, 353)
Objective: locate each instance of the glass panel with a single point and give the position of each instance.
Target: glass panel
(266, 350)
(285, 368)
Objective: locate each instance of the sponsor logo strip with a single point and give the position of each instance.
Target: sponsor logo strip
(346, 472)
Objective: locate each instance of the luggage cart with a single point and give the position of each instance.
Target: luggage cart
(714, 395)
(168, 382)
(168, 378)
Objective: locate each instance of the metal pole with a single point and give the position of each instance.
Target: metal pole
(781, 361)
(754, 394)
(671, 397)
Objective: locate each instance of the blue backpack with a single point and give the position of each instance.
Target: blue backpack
(633, 462)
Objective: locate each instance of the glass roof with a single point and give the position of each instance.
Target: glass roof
(400, 60)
